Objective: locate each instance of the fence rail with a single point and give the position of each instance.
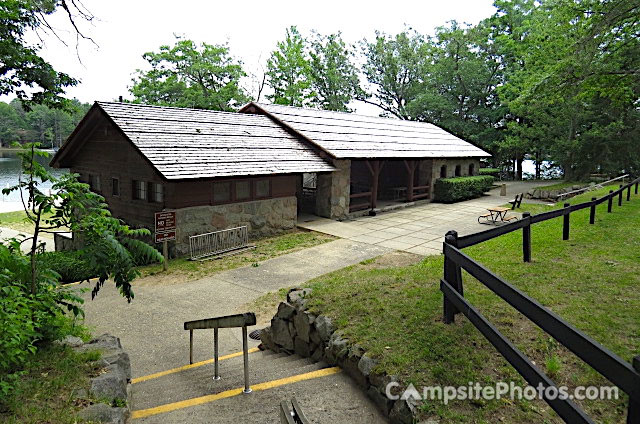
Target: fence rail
(209, 244)
(621, 373)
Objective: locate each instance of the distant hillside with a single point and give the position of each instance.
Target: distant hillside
(50, 127)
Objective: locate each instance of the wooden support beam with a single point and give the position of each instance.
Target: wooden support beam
(411, 172)
(375, 174)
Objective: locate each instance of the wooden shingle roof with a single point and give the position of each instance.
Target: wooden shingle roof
(193, 143)
(352, 136)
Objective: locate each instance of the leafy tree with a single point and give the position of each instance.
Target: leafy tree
(334, 78)
(111, 246)
(396, 68)
(10, 124)
(22, 67)
(288, 71)
(187, 75)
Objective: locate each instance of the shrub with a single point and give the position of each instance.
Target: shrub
(71, 265)
(28, 318)
(494, 172)
(448, 190)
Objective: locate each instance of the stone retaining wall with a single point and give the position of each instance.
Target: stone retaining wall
(542, 194)
(262, 217)
(112, 385)
(295, 330)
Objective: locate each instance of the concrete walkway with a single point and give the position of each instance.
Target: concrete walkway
(418, 229)
(7, 233)
(151, 327)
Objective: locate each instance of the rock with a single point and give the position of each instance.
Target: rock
(111, 385)
(79, 393)
(292, 329)
(281, 334)
(366, 365)
(285, 311)
(257, 222)
(553, 194)
(380, 381)
(71, 341)
(315, 337)
(324, 326)
(266, 338)
(104, 343)
(303, 328)
(101, 363)
(301, 347)
(381, 401)
(350, 366)
(297, 298)
(318, 354)
(338, 346)
(122, 360)
(103, 413)
(403, 412)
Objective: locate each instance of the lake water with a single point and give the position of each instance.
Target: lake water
(10, 169)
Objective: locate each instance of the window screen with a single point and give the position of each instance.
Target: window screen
(221, 192)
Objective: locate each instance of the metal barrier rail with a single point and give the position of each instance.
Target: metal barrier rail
(229, 321)
(292, 413)
(208, 244)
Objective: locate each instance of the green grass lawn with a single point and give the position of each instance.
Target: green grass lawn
(45, 392)
(183, 269)
(592, 281)
(559, 185)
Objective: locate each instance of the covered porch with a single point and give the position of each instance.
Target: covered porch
(377, 183)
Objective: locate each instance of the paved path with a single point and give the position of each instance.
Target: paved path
(7, 233)
(151, 331)
(418, 229)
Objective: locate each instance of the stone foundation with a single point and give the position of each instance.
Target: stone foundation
(333, 190)
(295, 330)
(262, 217)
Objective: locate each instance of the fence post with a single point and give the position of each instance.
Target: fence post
(620, 196)
(610, 205)
(628, 193)
(633, 414)
(453, 276)
(526, 237)
(592, 215)
(565, 224)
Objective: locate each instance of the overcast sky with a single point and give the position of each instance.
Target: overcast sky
(124, 30)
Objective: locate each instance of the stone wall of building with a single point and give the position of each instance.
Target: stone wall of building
(451, 168)
(333, 190)
(262, 217)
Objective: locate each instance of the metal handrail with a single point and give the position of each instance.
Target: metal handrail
(598, 185)
(228, 321)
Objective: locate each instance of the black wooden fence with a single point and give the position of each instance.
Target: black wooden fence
(624, 375)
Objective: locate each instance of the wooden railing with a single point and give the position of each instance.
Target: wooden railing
(359, 206)
(621, 373)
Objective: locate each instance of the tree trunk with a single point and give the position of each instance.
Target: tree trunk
(538, 164)
(34, 247)
(518, 175)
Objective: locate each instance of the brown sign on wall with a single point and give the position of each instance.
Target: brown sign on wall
(165, 221)
(165, 236)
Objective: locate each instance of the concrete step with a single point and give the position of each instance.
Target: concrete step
(199, 381)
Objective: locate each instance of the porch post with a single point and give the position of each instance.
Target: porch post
(375, 173)
(411, 171)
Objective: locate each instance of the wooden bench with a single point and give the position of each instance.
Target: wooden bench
(515, 203)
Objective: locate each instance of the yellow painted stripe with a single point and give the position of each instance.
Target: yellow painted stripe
(91, 280)
(187, 367)
(142, 413)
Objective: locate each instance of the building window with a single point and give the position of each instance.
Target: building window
(443, 171)
(458, 170)
(157, 193)
(94, 182)
(222, 192)
(472, 169)
(115, 186)
(263, 188)
(139, 190)
(243, 190)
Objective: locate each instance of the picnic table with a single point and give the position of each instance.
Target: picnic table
(496, 214)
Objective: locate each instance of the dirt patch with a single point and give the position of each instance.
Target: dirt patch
(393, 259)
